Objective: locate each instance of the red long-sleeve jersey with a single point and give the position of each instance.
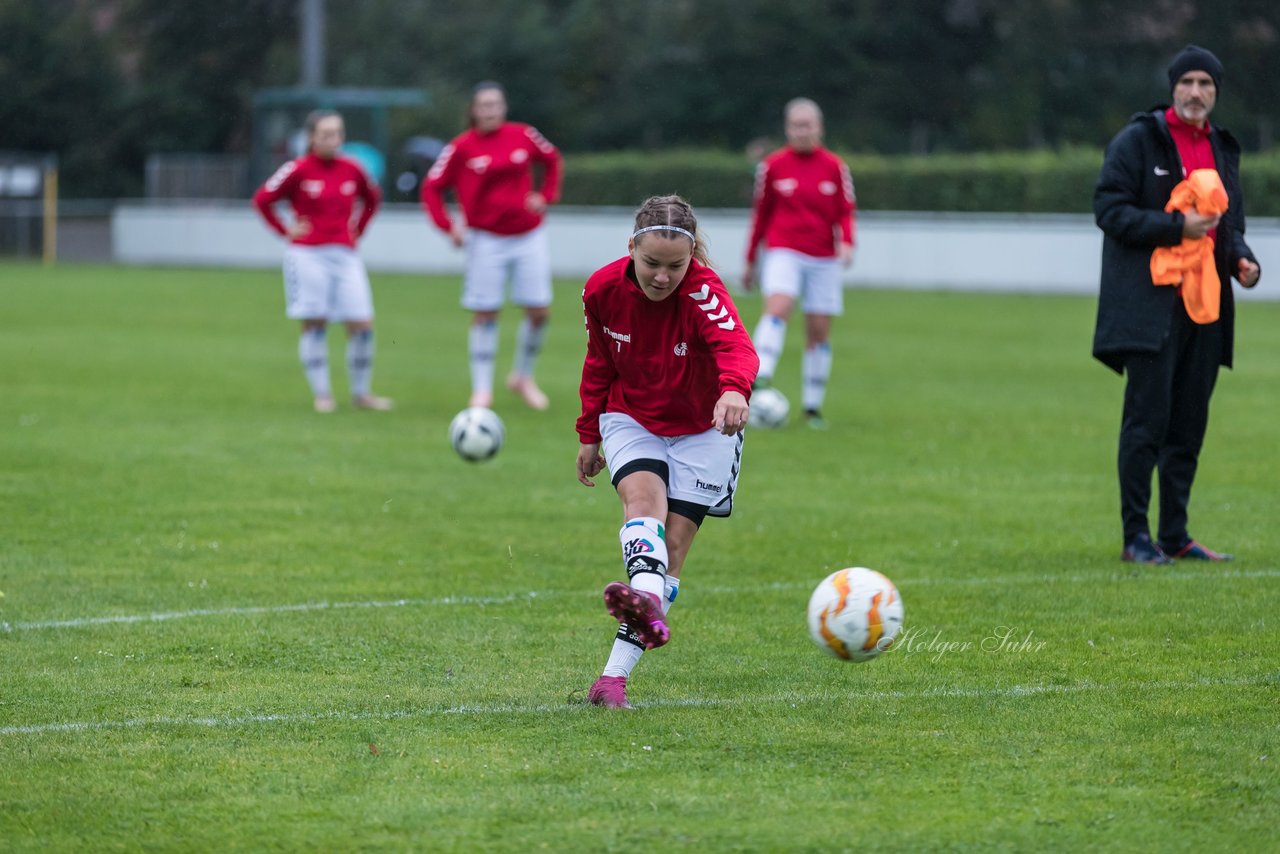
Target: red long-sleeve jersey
(800, 201)
(492, 175)
(663, 363)
(322, 192)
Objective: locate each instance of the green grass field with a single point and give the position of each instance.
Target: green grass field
(229, 623)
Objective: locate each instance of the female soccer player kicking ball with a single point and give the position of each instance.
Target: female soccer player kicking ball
(324, 278)
(664, 394)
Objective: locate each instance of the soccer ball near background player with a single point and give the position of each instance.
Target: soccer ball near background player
(768, 409)
(855, 614)
(476, 433)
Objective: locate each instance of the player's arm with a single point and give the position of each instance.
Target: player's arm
(761, 211)
(442, 175)
(370, 200)
(734, 354)
(847, 214)
(598, 375)
(275, 189)
(552, 166)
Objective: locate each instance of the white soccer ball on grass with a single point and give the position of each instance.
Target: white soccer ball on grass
(476, 433)
(768, 409)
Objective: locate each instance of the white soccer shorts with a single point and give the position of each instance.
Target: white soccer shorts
(702, 468)
(326, 283)
(794, 274)
(495, 259)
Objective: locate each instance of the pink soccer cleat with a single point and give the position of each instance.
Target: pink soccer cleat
(523, 385)
(373, 402)
(610, 692)
(642, 612)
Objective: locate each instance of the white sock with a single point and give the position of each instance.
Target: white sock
(360, 362)
(770, 336)
(817, 370)
(482, 345)
(644, 554)
(528, 345)
(669, 593)
(313, 352)
(627, 648)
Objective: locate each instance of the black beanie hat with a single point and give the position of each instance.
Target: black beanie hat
(1195, 58)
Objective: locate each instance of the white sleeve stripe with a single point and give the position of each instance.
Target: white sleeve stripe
(442, 162)
(761, 173)
(847, 180)
(539, 140)
(285, 170)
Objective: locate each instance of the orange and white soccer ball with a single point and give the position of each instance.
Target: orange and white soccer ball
(855, 614)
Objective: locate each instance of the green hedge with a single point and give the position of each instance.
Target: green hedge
(1040, 181)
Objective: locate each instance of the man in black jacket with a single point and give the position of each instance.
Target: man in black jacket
(1144, 330)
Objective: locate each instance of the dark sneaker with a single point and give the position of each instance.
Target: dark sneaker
(1142, 550)
(610, 692)
(1191, 550)
(642, 612)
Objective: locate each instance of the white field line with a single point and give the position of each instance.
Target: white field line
(1012, 692)
(165, 616)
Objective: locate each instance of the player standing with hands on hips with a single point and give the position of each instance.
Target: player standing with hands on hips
(803, 212)
(490, 167)
(1145, 330)
(324, 278)
(664, 391)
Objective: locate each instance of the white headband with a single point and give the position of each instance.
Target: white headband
(677, 229)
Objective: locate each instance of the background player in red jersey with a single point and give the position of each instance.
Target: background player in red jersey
(664, 391)
(803, 212)
(490, 168)
(324, 278)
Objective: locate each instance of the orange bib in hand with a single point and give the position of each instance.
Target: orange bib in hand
(1190, 263)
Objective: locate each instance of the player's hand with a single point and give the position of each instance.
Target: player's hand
(730, 414)
(300, 228)
(1247, 272)
(1195, 225)
(535, 203)
(846, 254)
(457, 235)
(749, 277)
(590, 462)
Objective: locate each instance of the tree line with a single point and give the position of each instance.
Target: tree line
(105, 82)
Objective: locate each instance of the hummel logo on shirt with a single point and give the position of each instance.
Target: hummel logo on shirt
(1160, 171)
